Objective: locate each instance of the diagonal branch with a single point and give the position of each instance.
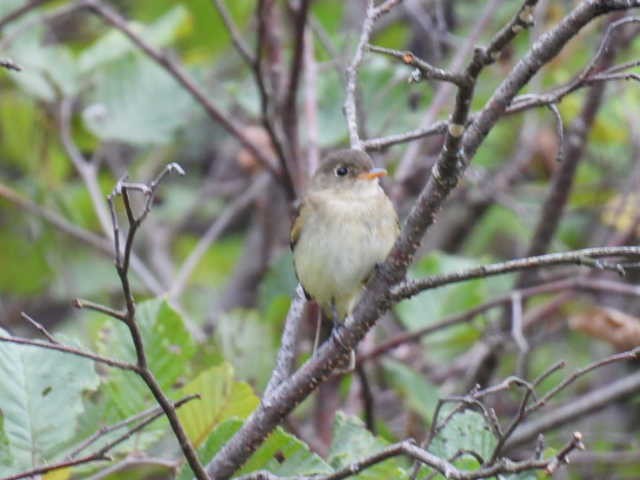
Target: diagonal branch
(374, 300)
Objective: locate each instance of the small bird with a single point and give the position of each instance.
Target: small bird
(345, 226)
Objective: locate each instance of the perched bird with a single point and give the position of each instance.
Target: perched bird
(345, 226)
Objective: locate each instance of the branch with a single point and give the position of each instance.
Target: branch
(146, 416)
(101, 244)
(290, 107)
(123, 188)
(10, 65)
(87, 170)
(577, 408)
(72, 351)
(427, 71)
(390, 140)
(374, 301)
(101, 454)
(19, 12)
(350, 110)
(447, 469)
(286, 354)
(110, 16)
(236, 37)
(577, 257)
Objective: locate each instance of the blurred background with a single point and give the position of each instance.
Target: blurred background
(89, 107)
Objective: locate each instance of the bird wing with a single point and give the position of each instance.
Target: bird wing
(296, 225)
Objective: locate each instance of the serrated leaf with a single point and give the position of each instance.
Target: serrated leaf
(352, 442)
(124, 105)
(282, 453)
(168, 346)
(41, 401)
(467, 430)
(114, 44)
(420, 394)
(221, 398)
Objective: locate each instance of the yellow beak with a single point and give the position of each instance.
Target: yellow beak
(373, 173)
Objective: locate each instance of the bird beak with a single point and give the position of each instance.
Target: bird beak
(373, 173)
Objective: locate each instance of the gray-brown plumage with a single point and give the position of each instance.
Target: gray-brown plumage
(346, 225)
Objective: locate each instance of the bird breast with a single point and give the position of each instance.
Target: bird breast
(342, 239)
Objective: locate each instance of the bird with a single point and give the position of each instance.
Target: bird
(344, 227)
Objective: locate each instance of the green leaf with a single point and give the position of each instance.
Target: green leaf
(352, 442)
(217, 264)
(5, 452)
(25, 269)
(46, 68)
(419, 393)
(41, 402)
(467, 430)
(220, 398)
(168, 346)
(114, 45)
(433, 305)
(280, 281)
(248, 343)
(282, 453)
(124, 105)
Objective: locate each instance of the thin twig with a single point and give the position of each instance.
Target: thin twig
(122, 189)
(38, 326)
(427, 71)
(103, 245)
(72, 351)
(286, 354)
(236, 37)
(96, 307)
(19, 12)
(10, 65)
(350, 109)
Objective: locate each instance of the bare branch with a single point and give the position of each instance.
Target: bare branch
(19, 12)
(426, 70)
(102, 245)
(374, 300)
(350, 109)
(10, 65)
(286, 354)
(577, 408)
(390, 140)
(72, 351)
(38, 326)
(577, 257)
(236, 36)
(96, 307)
(123, 188)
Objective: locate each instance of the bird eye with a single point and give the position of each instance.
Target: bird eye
(341, 171)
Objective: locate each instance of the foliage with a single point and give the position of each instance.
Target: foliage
(219, 337)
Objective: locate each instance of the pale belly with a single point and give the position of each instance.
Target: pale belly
(336, 253)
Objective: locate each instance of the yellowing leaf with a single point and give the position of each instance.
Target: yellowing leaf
(220, 399)
(62, 474)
